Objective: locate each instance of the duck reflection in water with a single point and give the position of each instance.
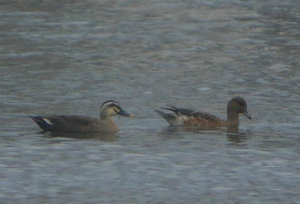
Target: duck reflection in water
(107, 137)
(235, 136)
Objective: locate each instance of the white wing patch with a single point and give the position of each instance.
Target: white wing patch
(47, 121)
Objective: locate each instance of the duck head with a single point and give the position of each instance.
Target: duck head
(238, 105)
(110, 108)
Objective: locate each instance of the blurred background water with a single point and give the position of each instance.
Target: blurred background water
(67, 57)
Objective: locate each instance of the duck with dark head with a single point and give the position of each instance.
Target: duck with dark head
(188, 118)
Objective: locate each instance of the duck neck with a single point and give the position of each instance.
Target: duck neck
(232, 118)
(107, 124)
(104, 116)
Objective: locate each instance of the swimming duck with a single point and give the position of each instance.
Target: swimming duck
(187, 118)
(83, 124)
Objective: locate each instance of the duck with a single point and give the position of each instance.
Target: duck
(182, 117)
(83, 124)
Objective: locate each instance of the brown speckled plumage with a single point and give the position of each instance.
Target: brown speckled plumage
(187, 118)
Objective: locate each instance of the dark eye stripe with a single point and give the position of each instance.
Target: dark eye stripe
(116, 109)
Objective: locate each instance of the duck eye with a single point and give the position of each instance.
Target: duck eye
(241, 103)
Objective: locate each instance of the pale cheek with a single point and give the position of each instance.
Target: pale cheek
(113, 112)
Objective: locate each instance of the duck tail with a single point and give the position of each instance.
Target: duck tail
(40, 122)
(170, 118)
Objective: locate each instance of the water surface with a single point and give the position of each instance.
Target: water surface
(68, 58)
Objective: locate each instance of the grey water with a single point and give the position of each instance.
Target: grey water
(68, 57)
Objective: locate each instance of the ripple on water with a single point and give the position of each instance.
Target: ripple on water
(72, 57)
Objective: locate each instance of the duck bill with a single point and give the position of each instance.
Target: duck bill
(124, 113)
(247, 115)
